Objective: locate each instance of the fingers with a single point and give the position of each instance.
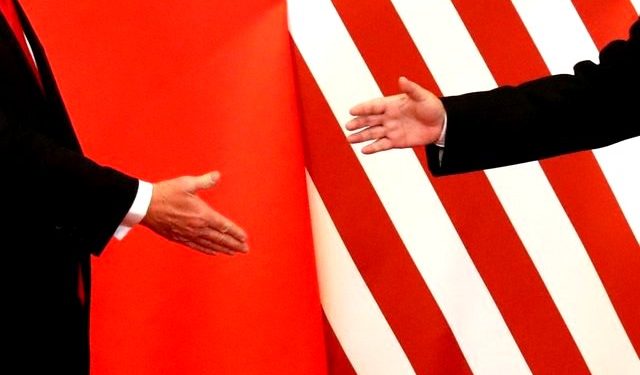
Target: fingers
(378, 106)
(208, 248)
(364, 121)
(228, 242)
(212, 242)
(229, 228)
(368, 134)
(373, 107)
(180, 215)
(412, 89)
(356, 123)
(205, 181)
(223, 235)
(381, 144)
(230, 236)
(373, 112)
(217, 232)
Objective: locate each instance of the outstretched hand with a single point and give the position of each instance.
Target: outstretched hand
(178, 214)
(414, 117)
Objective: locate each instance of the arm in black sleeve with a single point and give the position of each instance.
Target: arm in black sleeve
(58, 187)
(594, 107)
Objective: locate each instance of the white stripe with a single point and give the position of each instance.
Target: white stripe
(445, 45)
(527, 197)
(408, 197)
(566, 268)
(356, 319)
(554, 25)
(619, 165)
(564, 265)
(563, 40)
(618, 162)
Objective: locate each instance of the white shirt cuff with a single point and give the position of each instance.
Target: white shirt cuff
(443, 134)
(137, 211)
(440, 141)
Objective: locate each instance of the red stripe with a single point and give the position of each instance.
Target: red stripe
(479, 218)
(591, 206)
(383, 55)
(337, 361)
(606, 20)
(613, 248)
(503, 41)
(372, 240)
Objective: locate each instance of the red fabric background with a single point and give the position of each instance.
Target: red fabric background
(165, 88)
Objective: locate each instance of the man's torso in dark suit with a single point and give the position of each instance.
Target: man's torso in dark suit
(57, 208)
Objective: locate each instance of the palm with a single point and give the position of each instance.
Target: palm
(413, 118)
(416, 121)
(178, 214)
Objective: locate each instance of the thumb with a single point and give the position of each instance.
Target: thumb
(412, 89)
(206, 181)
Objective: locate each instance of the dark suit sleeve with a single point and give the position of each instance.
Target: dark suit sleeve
(594, 107)
(45, 184)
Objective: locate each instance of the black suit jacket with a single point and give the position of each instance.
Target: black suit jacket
(56, 208)
(595, 107)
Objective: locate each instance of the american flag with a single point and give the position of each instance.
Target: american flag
(533, 268)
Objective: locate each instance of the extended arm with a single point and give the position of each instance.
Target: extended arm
(592, 108)
(89, 201)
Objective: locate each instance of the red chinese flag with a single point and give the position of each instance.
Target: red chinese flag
(164, 88)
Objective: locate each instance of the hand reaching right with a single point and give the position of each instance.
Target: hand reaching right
(178, 214)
